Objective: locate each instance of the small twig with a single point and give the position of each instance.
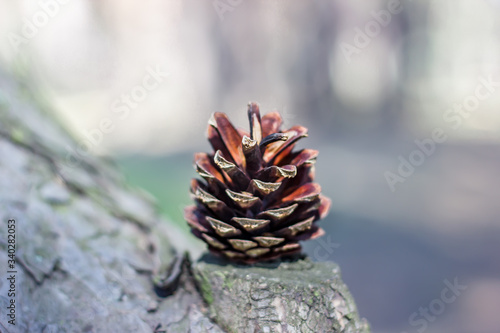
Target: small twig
(167, 285)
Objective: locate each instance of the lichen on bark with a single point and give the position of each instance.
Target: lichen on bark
(293, 296)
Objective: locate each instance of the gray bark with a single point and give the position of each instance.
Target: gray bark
(294, 296)
(88, 249)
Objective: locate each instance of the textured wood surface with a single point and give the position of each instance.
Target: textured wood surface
(293, 296)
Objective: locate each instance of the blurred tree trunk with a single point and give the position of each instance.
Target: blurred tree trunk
(87, 247)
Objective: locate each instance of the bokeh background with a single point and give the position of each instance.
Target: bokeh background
(138, 80)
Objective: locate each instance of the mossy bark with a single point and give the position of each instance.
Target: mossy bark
(294, 296)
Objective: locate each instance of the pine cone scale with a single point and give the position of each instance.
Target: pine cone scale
(270, 123)
(230, 138)
(279, 214)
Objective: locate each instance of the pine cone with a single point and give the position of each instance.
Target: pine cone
(257, 199)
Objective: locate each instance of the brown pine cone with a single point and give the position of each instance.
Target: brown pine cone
(257, 199)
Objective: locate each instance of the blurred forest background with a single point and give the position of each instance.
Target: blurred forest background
(139, 80)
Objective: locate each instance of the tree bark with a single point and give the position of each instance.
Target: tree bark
(286, 296)
(89, 250)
